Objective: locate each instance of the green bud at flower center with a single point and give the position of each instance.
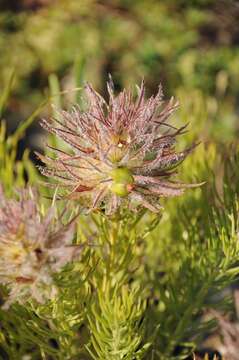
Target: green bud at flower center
(122, 181)
(119, 189)
(122, 175)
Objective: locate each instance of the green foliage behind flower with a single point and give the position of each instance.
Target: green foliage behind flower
(191, 44)
(145, 284)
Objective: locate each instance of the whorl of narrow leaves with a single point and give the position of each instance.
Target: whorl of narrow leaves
(121, 151)
(117, 327)
(32, 248)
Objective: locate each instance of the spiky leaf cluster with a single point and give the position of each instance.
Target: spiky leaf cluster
(122, 151)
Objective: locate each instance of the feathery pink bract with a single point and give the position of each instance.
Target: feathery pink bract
(120, 152)
(32, 247)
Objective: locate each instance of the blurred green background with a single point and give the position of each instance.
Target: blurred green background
(48, 47)
(190, 46)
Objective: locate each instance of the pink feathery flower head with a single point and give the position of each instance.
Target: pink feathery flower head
(32, 247)
(120, 152)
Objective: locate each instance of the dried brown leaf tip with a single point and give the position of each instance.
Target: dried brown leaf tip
(121, 151)
(32, 247)
(229, 331)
